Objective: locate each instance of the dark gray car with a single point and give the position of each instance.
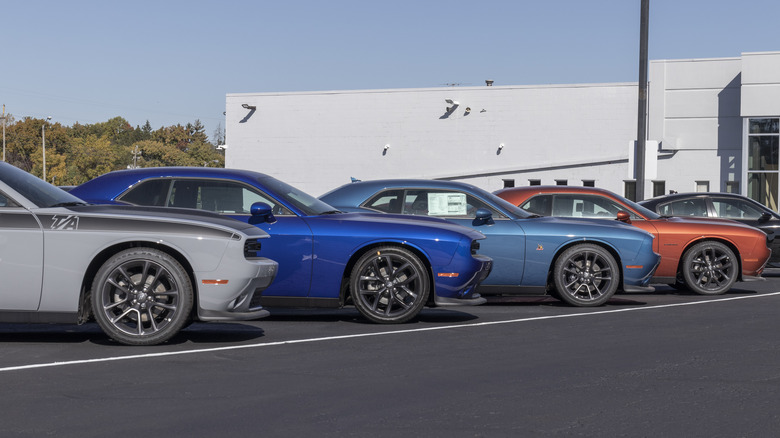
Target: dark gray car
(722, 206)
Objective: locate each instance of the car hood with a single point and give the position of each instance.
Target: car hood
(405, 221)
(707, 222)
(606, 225)
(167, 214)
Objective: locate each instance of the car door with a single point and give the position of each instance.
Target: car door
(21, 257)
(505, 242)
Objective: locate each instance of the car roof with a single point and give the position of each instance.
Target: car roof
(687, 195)
(362, 190)
(118, 181)
(558, 189)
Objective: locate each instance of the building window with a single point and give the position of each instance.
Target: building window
(763, 148)
(659, 188)
(509, 183)
(561, 182)
(534, 182)
(732, 186)
(629, 190)
(588, 183)
(702, 186)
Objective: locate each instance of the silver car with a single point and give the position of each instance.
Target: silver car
(143, 273)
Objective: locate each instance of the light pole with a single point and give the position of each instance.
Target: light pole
(43, 142)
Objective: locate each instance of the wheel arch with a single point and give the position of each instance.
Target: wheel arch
(602, 244)
(703, 239)
(85, 307)
(344, 292)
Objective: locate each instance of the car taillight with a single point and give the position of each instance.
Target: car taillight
(251, 248)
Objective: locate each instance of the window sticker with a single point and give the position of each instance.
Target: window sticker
(447, 204)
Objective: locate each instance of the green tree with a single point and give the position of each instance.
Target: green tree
(23, 141)
(91, 157)
(157, 154)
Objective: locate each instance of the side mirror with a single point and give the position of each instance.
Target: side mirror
(261, 212)
(623, 216)
(764, 217)
(482, 217)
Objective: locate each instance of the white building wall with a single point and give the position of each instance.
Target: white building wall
(317, 141)
(694, 114)
(760, 84)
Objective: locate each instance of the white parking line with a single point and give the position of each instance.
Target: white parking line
(396, 332)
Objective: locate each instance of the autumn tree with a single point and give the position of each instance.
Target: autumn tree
(81, 152)
(91, 157)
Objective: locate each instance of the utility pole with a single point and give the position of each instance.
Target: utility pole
(639, 155)
(3, 132)
(43, 145)
(136, 154)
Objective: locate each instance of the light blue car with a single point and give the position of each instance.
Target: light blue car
(582, 262)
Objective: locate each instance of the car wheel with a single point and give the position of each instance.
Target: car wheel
(586, 275)
(141, 296)
(389, 285)
(709, 268)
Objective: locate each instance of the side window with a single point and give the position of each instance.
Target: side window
(665, 210)
(689, 207)
(444, 204)
(152, 192)
(6, 201)
(226, 197)
(735, 209)
(539, 204)
(587, 206)
(184, 195)
(389, 201)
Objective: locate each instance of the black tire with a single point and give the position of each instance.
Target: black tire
(586, 275)
(389, 285)
(709, 268)
(141, 296)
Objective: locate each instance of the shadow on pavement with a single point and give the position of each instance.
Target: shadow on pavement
(91, 332)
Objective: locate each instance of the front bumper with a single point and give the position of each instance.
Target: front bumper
(456, 291)
(637, 279)
(234, 300)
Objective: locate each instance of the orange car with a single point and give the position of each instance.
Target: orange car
(705, 255)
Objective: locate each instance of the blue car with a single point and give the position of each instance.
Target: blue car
(389, 267)
(582, 262)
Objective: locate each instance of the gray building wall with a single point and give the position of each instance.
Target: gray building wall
(318, 140)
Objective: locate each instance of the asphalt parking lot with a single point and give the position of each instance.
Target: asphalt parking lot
(662, 364)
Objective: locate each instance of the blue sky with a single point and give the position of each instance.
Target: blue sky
(174, 61)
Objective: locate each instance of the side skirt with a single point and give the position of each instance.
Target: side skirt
(305, 302)
(28, 317)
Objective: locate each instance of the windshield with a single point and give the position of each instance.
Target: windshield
(309, 205)
(510, 209)
(644, 211)
(37, 191)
